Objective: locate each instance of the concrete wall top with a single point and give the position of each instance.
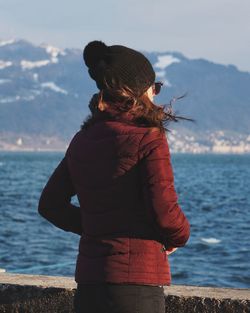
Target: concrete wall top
(177, 290)
(37, 280)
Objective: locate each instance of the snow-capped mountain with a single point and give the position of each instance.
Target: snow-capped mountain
(44, 92)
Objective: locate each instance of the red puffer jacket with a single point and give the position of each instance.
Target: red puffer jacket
(122, 176)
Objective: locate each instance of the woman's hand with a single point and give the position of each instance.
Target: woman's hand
(170, 250)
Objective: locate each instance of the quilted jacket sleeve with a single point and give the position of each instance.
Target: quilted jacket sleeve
(54, 204)
(159, 192)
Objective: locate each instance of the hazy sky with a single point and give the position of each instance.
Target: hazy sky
(218, 30)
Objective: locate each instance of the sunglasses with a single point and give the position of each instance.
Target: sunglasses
(157, 87)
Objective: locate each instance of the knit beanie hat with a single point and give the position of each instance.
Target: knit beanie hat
(117, 66)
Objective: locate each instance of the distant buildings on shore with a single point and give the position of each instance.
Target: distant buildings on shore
(179, 142)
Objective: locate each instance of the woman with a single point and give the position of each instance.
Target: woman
(119, 167)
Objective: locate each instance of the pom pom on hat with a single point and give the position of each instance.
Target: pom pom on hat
(94, 52)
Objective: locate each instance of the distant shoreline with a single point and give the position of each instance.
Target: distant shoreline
(32, 150)
(172, 152)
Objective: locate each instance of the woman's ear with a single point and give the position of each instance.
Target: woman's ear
(102, 105)
(150, 93)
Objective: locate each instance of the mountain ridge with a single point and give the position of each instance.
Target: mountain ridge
(42, 86)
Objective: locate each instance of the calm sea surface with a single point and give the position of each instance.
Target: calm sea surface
(214, 192)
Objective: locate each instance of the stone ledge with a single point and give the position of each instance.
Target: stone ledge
(52, 294)
(38, 280)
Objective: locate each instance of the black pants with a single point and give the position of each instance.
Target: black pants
(115, 298)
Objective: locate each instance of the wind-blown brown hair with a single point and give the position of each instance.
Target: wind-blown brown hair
(122, 103)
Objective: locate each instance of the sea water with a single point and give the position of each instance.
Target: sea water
(214, 193)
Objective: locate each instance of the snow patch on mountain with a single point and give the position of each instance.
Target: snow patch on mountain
(54, 87)
(8, 100)
(4, 81)
(17, 98)
(28, 96)
(4, 64)
(6, 42)
(161, 64)
(35, 77)
(165, 60)
(28, 65)
(54, 52)
(160, 74)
